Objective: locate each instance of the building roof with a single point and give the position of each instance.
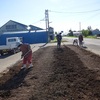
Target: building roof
(10, 27)
(19, 23)
(35, 28)
(14, 22)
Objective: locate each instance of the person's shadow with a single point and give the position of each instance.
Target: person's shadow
(5, 56)
(16, 81)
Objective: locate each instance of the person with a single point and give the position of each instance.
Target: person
(26, 55)
(80, 38)
(59, 38)
(75, 42)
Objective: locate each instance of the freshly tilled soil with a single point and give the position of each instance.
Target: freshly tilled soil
(68, 73)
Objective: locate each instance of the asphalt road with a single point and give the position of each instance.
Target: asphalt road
(92, 45)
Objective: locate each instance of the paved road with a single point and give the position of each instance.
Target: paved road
(92, 45)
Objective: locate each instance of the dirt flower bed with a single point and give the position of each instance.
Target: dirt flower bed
(69, 73)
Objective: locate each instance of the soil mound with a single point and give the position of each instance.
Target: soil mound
(68, 73)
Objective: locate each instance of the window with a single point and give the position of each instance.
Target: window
(11, 40)
(11, 27)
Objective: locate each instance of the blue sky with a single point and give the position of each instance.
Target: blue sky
(63, 14)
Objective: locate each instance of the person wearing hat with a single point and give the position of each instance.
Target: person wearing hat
(26, 55)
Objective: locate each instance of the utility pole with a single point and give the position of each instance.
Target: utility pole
(47, 23)
(47, 20)
(79, 26)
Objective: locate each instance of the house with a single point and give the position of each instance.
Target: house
(34, 28)
(16, 29)
(76, 33)
(13, 26)
(96, 32)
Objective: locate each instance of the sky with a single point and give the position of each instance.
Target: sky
(63, 14)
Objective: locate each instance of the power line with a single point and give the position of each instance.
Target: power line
(43, 19)
(76, 11)
(91, 17)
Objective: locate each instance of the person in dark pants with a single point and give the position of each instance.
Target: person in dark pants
(59, 38)
(80, 38)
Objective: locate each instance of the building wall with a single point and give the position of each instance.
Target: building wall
(31, 38)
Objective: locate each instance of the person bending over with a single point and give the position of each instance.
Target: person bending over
(26, 55)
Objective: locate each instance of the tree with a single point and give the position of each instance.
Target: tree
(89, 30)
(55, 33)
(85, 33)
(70, 32)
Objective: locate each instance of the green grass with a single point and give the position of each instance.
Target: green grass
(94, 37)
(91, 37)
(55, 40)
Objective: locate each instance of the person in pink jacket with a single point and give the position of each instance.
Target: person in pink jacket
(26, 55)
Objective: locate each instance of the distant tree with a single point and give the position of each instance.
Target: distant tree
(89, 30)
(55, 33)
(70, 32)
(90, 33)
(85, 33)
